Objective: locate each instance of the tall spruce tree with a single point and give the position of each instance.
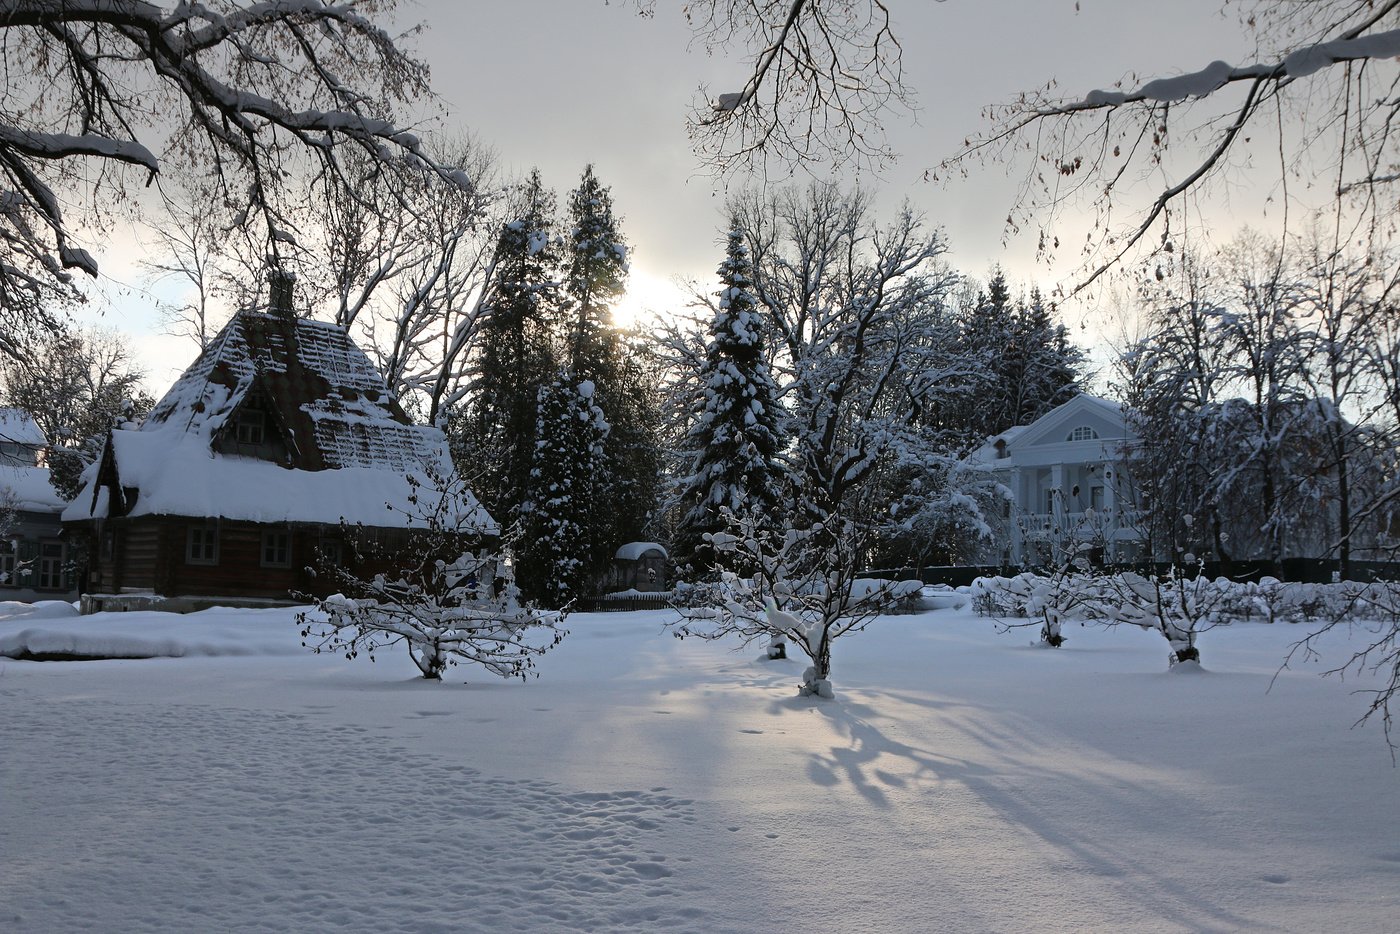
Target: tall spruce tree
(494, 439)
(594, 351)
(594, 281)
(735, 438)
(556, 521)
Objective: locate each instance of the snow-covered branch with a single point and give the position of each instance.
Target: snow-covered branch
(256, 95)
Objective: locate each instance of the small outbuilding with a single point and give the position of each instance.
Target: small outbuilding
(639, 566)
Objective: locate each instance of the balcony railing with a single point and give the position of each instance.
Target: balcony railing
(1043, 526)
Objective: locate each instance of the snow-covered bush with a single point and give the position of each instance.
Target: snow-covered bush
(441, 614)
(804, 592)
(1045, 601)
(445, 602)
(1177, 605)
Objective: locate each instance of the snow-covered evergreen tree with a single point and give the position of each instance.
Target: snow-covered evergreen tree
(734, 444)
(494, 437)
(595, 279)
(594, 350)
(1027, 363)
(557, 531)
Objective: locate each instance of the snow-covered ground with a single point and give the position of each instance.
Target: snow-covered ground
(961, 781)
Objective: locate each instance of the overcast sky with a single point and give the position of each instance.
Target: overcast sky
(561, 83)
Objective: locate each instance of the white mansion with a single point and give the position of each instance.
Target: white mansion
(1067, 478)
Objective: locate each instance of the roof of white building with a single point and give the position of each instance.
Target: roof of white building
(991, 455)
(30, 488)
(19, 426)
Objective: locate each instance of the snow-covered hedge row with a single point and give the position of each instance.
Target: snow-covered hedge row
(1082, 596)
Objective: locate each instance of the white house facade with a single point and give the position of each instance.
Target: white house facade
(1068, 483)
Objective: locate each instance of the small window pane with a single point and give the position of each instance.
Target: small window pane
(276, 549)
(202, 545)
(50, 576)
(250, 428)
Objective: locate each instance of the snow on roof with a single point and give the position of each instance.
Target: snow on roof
(349, 446)
(986, 456)
(323, 392)
(19, 426)
(175, 474)
(987, 453)
(635, 550)
(31, 488)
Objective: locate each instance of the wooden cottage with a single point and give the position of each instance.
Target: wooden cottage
(276, 446)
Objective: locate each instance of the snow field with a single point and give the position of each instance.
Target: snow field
(961, 781)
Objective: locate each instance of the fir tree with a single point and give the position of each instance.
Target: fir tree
(735, 437)
(595, 279)
(557, 534)
(594, 351)
(1029, 365)
(494, 440)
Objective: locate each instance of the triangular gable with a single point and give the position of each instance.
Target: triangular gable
(1055, 425)
(253, 395)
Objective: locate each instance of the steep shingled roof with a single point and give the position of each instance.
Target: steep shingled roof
(323, 390)
(346, 449)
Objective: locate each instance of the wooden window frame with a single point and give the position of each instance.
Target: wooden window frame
(211, 529)
(43, 564)
(9, 564)
(255, 423)
(269, 542)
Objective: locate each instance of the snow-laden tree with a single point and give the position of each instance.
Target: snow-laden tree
(734, 446)
(1344, 304)
(493, 433)
(1026, 363)
(1259, 408)
(77, 385)
(597, 351)
(423, 281)
(799, 587)
(557, 523)
(821, 77)
(595, 278)
(451, 598)
(859, 313)
(102, 95)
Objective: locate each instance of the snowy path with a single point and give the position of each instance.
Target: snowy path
(961, 782)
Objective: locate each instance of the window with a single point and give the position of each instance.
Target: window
(276, 548)
(250, 427)
(50, 575)
(1096, 498)
(202, 544)
(7, 564)
(1083, 433)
